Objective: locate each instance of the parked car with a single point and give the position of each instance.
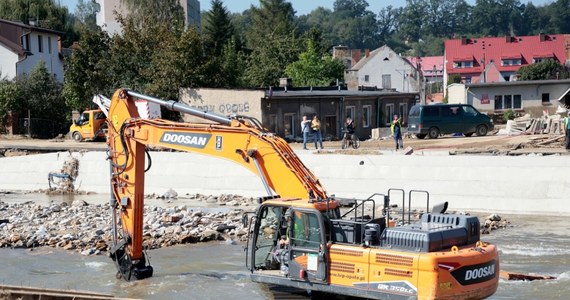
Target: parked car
(436, 119)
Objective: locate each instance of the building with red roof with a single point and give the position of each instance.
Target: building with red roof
(497, 59)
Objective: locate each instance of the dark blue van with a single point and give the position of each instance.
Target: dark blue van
(433, 120)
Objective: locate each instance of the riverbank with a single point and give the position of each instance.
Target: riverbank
(504, 184)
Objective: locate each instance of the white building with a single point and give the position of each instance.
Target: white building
(533, 96)
(23, 46)
(384, 69)
(106, 15)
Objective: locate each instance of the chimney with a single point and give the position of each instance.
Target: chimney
(542, 36)
(285, 82)
(464, 40)
(508, 38)
(366, 53)
(356, 56)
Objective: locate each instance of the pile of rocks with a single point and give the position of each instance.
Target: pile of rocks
(87, 228)
(494, 222)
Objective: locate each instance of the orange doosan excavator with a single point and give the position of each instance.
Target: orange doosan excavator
(298, 236)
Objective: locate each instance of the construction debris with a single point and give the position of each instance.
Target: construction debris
(546, 124)
(63, 180)
(524, 277)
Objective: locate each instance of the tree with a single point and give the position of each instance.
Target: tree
(561, 16)
(273, 19)
(40, 94)
(312, 69)
(273, 41)
(43, 13)
(386, 20)
(86, 15)
(10, 96)
(353, 25)
(412, 21)
(497, 17)
(454, 78)
(86, 75)
(547, 69)
(218, 30)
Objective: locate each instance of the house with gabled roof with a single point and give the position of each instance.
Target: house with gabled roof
(470, 57)
(384, 69)
(23, 46)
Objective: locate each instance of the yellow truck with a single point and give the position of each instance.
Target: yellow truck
(89, 126)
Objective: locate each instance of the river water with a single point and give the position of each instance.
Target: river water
(534, 244)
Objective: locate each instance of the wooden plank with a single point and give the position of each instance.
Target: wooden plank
(525, 277)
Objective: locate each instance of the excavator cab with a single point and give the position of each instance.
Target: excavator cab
(291, 241)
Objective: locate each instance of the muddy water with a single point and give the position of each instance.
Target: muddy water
(535, 244)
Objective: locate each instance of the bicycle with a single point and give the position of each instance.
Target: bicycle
(350, 139)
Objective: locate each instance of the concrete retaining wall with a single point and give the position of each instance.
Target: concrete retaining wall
(521, 184)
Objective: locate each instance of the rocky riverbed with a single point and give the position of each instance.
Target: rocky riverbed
(86, 228)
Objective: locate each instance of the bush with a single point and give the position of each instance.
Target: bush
(508, 115)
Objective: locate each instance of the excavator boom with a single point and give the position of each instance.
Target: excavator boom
(240, 140)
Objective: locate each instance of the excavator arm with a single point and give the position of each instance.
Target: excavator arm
(242, 141)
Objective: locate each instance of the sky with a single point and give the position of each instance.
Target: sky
(302, 7)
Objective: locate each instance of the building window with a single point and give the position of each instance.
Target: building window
(289, 125)
(403, 112)
(25, 39)
(506, 102)
(366, 115)
(386, 81)
(546, 98)
(517, 101)
(40, 43)
(366, 78)
(273, 123)
(511, 62)
(349, 112)
(389, 113)
(463, 64)
(467, 80)
(49, 44)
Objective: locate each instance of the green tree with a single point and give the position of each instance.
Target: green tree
(86, 15)
(10, 96)
(497, 17)
(155, 58)
(454, 78)
(412, 20)
(547, 69)
(560, 17)
(43, 13)
(218, 29)
(40, 94)
(86, 74)
(273, 41)
(312, 69)
(354, 25)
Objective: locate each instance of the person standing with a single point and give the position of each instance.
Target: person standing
(567, 130)
(396, 128)
(316, 126)
(306, 130)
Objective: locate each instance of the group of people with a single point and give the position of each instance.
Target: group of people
(311, 127)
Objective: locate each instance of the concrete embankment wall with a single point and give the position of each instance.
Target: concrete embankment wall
(523, 184)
